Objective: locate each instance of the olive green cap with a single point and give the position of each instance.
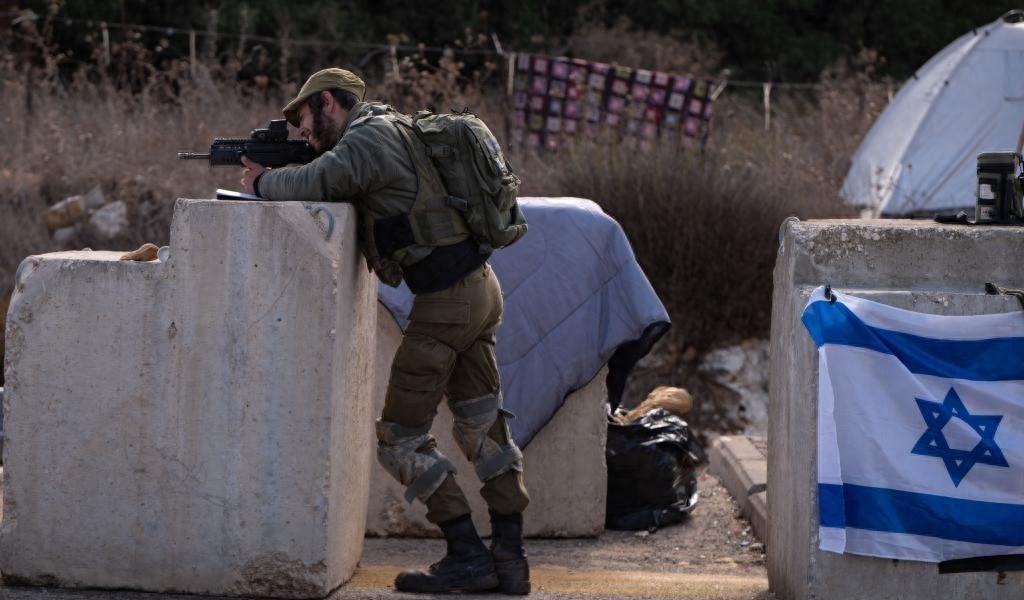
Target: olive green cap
(326, 79)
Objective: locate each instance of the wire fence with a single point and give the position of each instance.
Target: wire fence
(370, 51)
(195, 34)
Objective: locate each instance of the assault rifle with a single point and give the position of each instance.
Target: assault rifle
(269, 147)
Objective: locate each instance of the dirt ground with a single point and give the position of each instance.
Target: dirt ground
(713, 555)
(714, 540)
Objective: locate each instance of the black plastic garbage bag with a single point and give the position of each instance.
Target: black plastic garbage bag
(652, 465)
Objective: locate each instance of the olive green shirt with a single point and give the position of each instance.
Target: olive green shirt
(370, 166)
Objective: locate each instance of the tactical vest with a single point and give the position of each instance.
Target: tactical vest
(451, 154)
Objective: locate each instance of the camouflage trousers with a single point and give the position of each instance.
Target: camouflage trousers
(448, 350)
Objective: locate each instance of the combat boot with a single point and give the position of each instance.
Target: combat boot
(467, 566)
(509, 555)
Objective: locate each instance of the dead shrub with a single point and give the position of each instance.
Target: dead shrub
(621, 44)
(415, 82)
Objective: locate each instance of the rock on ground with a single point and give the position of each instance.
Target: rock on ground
(111, 220)
(742, 370)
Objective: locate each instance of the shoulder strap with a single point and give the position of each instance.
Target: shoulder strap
(375, 110)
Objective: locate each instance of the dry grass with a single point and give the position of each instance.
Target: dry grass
(621, 44)
(89, 134)
(703, 225)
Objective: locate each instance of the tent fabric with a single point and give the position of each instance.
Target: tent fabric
(574, 294)
(920, 154)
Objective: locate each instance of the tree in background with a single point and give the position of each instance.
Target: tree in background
(779, 40)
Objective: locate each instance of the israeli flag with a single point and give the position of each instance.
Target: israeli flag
(920, 431)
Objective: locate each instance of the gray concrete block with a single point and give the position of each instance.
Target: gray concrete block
(564, 465)
(757, 513)
(743, 471)
(738, 464)
(917, 265)
(196, 425)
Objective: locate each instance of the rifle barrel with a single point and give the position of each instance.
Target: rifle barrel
(193, 156)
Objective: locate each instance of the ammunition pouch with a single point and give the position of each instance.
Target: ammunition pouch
(386, 269)
(392, 234)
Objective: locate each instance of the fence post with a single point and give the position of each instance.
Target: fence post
(192, 53)
(29, 86)
(106, 43)
(244, 19)
(393, 54)
(285, 53)
(510, 74)
(210, 43)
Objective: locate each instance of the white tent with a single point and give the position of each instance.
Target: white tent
(920, 155)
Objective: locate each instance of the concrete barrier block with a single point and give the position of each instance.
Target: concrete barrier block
(743, 471)
(195, 425)
(916, 265)
(564, 465)
(757, 513)
(739, 465)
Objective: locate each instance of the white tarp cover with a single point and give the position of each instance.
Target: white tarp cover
(573, 294)
(920, 156)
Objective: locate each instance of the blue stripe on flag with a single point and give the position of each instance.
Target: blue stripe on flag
(880, 509)
(831, 508)
(996, 359)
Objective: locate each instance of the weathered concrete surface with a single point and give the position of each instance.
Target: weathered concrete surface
(917, 265)
(743, 470)
(564, 464)
(195, 425)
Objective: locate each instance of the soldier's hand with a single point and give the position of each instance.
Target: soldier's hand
(249, 174)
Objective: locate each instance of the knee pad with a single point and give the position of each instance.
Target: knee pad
(473, 419)
(420, 473)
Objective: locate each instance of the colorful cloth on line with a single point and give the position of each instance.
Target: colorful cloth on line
(555, 98)
(920, 431)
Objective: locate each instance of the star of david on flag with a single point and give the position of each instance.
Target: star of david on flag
(920, 430)
(934, 443)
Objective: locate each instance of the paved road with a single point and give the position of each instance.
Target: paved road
(712, 556)
(373, 582)
(560, 582)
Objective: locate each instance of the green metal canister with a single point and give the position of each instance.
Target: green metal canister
(999, 189)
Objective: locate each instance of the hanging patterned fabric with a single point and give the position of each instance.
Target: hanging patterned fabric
(557, 98)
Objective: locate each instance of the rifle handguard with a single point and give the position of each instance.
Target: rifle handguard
(269, 147)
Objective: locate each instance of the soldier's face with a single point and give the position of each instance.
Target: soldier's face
(319, 127)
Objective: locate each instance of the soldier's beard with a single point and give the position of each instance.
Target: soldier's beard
(325, 132)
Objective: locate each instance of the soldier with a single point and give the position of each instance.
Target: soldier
(448, 346)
